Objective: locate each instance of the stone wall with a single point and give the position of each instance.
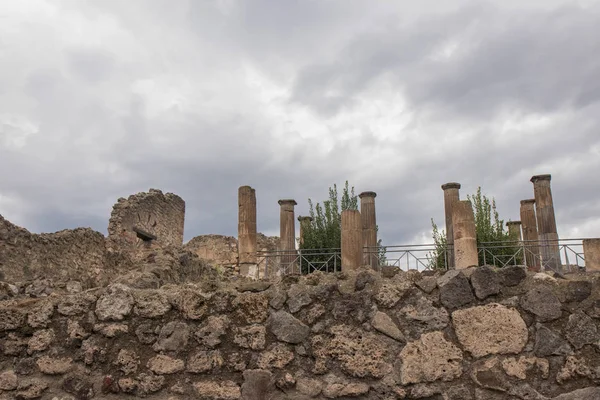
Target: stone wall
(473, 334)
(69, 254)
(160, 215)
(217, 250)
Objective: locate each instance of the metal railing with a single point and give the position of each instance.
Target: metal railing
(567, 256)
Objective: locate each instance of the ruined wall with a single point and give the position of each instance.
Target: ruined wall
(69, 254)
(217, 250)
(473, 334)
(158, 214)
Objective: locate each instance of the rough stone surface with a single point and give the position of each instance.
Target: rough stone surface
(455, 290)
(115, 304)
(486, 281)
(549, 343)
(512, 275)
(287, 328)
(581, 330)
(384, 324)
(543, 303)
(430, 359)
(490, 329)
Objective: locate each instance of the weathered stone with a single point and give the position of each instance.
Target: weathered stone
(427, 283)
(79, 387)
(11, 319)
(250, 337)
(40, 315)
(590, 393)
(422, 316)
(485, 281)
(578, 290)
(173, 336)
(217, 390)
(146, 333)
(256, 286)
(193, 304)
(54, 366)
(76, 331)
(429, 359)
(276, 356)
(457, 393)
(40, 341)
(455, 290)
(384, 324)
(277, 297)
(252, 308)
(211, 331)
(490, 375)
(309, 387)
(287, 328)
(543, 303)
(111, 330)
(345, 390)
(115, 304)
(490, 329)
(8, 380)
(258, 384)
(33, 389)
(75, 304)
(204, 361)
(577, 367)
(520, 367)
(128, 361)
(286, 382)
(162, 364)
(149, 383)
(549, 343)
(512, 275)
(298, 297)
(581, 330)
(151, 303)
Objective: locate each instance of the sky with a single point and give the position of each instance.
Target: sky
(100, 100)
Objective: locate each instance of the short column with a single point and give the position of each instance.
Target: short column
(247, 231)
(546, 223)
(591, 254)
(352, 240)
(287, 236)
(451, 196)
(369, 228)
(304, 225)
(465, 235)
(530, 235)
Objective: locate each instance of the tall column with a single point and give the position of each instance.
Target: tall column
(304, 224)
(247, 231)
(514, 229)
(369, 228)
(465, 235)
(591, 255)
(287, 235)
(451, 196)
(352, 240)
(530, 235)
(546, 223)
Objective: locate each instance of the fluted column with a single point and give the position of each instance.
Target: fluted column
(451, 197)
(546, 223)
(530, 235)
(304, 225)
(352, 240)
(591, 254)
(369, 228)
(465, 236)
(287, 235)
(247, 230)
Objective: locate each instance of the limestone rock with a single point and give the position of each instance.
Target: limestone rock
(519, 367)
(211, 330)
(39, 316)
(204, 361)
(276, 356)
(298, 296)
(287, 328)
(11, 319)
(54, 366)
(390, 293)
(543, 303)
(151, 303)
(193, 304)
(581, 330)
(111, 330)
(549, 343)
(128, 361)
(485, 281)
(427, 284)
(429, 359)
(422, 316)
(173, 336)
(217, 390)
(258, 384)
(8, 380)
(162, 364)
(345, 390)
(490, 329)
(40, 340)
(75, 304)
(250, 337)
(32, 389)
(252, 308)
(455, 290)
(309, 387)
(149, 383)
(384, 324)
(115, 304)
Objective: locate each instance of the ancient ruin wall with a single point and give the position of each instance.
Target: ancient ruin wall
(69, 254)
(157, 214)
(468, 335)
(217, 250)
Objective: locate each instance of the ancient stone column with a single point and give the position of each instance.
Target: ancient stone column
(451, 196)
(530, 235)
(247, 231)
(546, 223)
(514, 229)
(352, 240)
(369, 228)
(591, 254)
(287, 235)
(304, 224)
(465, 236)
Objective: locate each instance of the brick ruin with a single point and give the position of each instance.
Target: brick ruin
(141, 314)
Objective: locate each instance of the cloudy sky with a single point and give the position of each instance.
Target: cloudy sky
(102, 99)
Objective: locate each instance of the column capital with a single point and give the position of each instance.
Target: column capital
(287, 201)
(451, 185)
(537, 178)
(367, 194)
(304, 218)
(527, 201)
(513, 223)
